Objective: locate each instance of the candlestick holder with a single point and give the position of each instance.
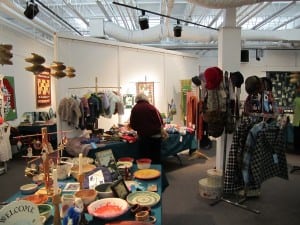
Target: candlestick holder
(81, 180)
(56, 200)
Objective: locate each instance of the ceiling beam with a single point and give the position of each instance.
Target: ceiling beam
(76, 12)
(286, 22)
(262, 23)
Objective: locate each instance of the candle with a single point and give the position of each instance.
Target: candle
(55, 183)
(80, 164)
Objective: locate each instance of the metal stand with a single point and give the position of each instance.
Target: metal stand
(221, 198)
(295, 168)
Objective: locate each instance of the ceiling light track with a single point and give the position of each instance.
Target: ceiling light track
(158, 14)
(52, 12)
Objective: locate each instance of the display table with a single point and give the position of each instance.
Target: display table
(155, 210)
(37, 128)
(170, 147)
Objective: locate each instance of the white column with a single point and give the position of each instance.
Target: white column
(229, 54)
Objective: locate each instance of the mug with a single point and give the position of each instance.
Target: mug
(142, 216)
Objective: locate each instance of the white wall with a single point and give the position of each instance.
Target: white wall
(122, 65)
(23, 46)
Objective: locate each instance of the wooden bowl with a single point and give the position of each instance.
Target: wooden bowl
(87, 195)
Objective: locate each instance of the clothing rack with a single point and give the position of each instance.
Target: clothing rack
(96, 86)
(222, 198)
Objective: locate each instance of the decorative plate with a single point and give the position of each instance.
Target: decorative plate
(146, 174)
(143, 198)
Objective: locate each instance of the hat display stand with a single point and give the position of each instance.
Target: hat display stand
(221, 197)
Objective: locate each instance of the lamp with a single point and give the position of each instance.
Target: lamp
(177, 29)
(143, 21)
(31, 9)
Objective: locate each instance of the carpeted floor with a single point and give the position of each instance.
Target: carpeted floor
(279, 203)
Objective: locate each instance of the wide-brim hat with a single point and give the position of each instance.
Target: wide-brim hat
(35, 59)
(58, 66)
(213, 77)
(35, 68)
(253, 85)
(58, 74)
(7, 47)
(237, 79)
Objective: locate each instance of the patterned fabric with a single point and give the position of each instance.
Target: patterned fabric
(263, 156)
(268, 159)
(233, 179)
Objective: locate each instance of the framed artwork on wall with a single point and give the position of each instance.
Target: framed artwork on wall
(9, 98)
(147, 88)
(284, 90)
(128, 100)
(43, 89)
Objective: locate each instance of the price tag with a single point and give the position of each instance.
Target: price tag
(275, 158)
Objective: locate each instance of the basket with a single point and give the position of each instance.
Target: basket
(214, 177)
(209, 191)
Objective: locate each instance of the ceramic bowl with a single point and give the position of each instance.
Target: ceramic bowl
(104, 190)
(143, 163)
(85, 169)
(87, 195)
(37, 198)
(108, 208)
(28, 189)
(45, 210)
(126, 159)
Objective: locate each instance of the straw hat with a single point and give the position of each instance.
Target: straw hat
(58, 66)
(35, 68)
(35, 59)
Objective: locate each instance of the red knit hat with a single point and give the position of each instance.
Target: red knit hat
(213, 77)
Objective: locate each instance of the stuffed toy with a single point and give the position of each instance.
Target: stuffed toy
(74, 213)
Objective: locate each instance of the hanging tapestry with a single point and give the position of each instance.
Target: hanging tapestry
(9, 98)
(43, 89)
(284, 90)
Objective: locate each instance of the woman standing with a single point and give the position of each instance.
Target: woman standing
(146, 120)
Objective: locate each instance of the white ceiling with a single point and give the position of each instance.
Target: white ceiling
(74, 17)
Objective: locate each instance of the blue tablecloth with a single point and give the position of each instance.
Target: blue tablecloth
(170, 147)
(155, 210)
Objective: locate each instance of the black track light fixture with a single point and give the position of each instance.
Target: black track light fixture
(31, 9)
(177, 29)
(144, 21)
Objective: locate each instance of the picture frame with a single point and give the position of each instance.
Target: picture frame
(146, 88)
(120, 189)
(128, 101)
(106, 158)
(72, 186)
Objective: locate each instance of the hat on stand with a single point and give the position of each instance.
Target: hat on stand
(237, 79)
(213, 77)
(196, 80)
(253, 85)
